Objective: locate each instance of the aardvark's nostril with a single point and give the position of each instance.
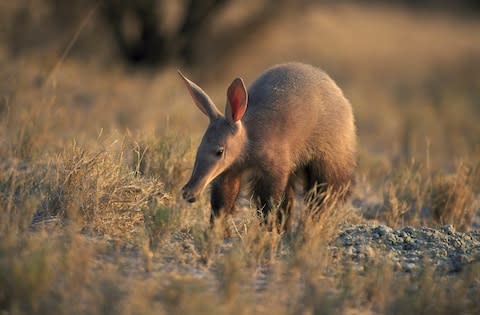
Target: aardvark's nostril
(187, 195)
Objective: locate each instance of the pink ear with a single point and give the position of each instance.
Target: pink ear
(236, 100)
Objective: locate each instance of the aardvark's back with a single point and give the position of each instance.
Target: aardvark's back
(296, 112)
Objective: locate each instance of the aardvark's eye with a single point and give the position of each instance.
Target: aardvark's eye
(219, 152)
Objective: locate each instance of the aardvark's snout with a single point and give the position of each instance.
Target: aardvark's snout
(188, 195)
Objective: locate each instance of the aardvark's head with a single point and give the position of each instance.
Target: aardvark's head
(224, 140)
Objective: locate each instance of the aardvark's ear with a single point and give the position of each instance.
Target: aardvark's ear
(201, 99)
(237, 98)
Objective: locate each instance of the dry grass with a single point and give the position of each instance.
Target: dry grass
(412, 196)
(91, 221)
(451, 199)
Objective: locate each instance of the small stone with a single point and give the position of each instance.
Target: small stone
(457, 243)
(440, 252)
(358, 242)
(408, 246)
(409, 267)
(448, 228)
(391, 238)
(347, 241)
(413, 260)
(381, 230)
(408, 230)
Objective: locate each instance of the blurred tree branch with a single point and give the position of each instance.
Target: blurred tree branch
(151, 44)
(148, 32)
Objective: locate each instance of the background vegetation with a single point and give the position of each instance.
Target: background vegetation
(97, 135)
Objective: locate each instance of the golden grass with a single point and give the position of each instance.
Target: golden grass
(413, 196)
(91, 221)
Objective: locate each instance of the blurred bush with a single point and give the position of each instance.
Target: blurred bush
(156, 32)
(140, 32)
